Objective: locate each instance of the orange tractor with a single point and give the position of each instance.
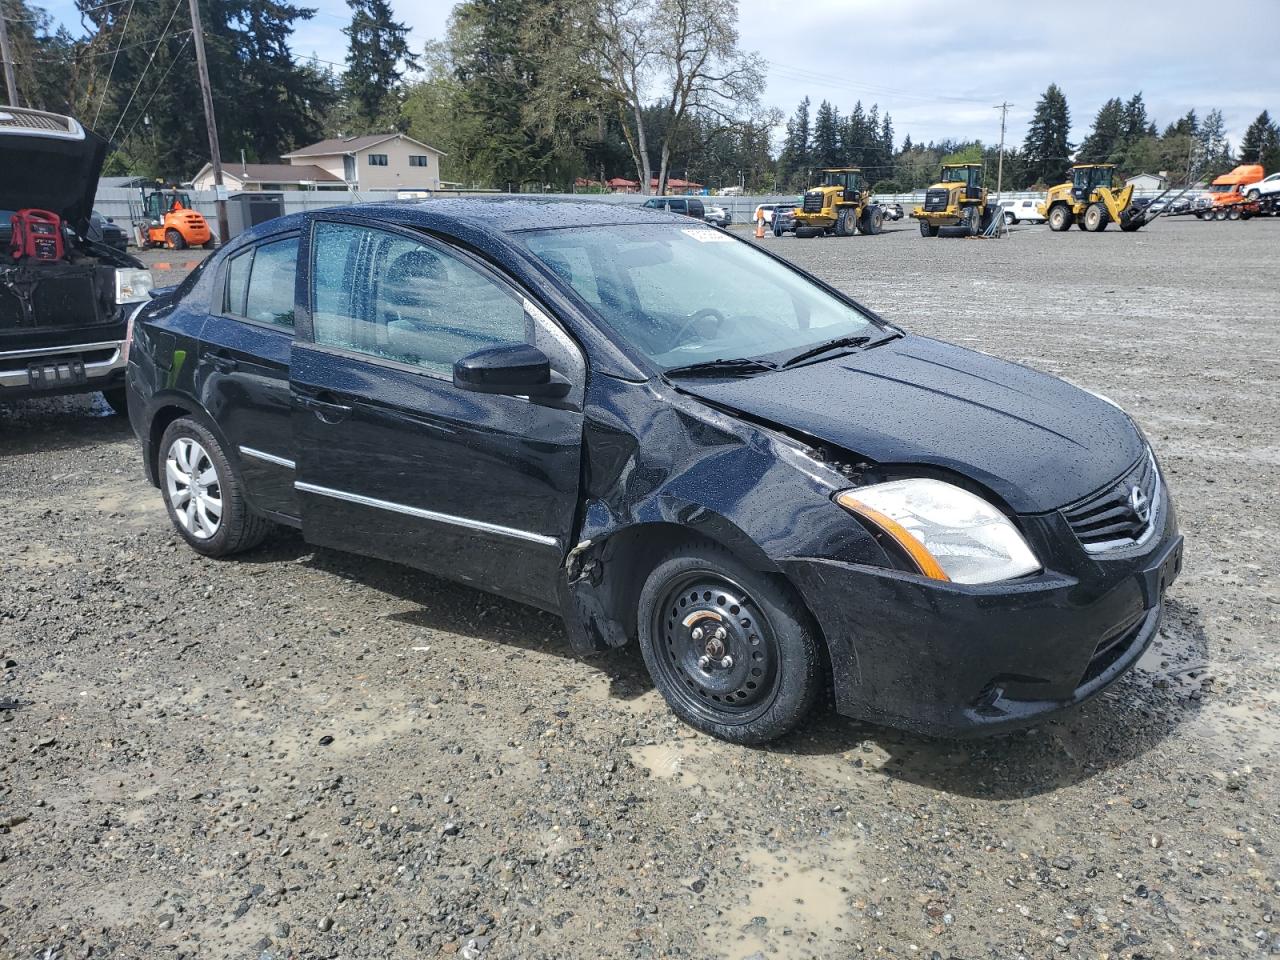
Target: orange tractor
(168, 220)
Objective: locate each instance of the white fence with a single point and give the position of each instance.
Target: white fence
(123, 205)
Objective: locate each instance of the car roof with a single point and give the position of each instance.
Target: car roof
(511, 214)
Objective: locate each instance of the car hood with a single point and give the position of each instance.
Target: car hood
(49, 163)
(1036, 441)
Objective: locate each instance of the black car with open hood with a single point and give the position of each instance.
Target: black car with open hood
(64, 293)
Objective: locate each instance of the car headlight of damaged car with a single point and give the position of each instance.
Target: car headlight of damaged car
(948, 533)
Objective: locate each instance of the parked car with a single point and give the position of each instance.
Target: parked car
(1266, 187)
(1018, 211)
(665, 434)
(685, 206)
(892, 211)
(108, 231)
(717, 216)
(64, 297)
(784, 218)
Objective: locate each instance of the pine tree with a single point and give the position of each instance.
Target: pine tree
(886, 137)
(794, 160)
(1046, 148)
(1104, 140)
(1261, 143)
(826, 136)
(1214, 145)
(378, 56)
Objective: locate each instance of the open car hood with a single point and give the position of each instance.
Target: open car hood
(49, 162)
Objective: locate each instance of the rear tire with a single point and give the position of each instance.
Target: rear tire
(1061, 218)
(1220, 214)
(204, 493)
(174, 240)
(755, 683)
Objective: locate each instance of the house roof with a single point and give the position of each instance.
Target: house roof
(271, 172)
(337, 146)
(277, 172)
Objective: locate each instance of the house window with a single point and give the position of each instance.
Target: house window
(417, 160)
(377, 159)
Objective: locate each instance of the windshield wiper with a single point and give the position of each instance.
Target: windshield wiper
(826, 347)
(726, 367)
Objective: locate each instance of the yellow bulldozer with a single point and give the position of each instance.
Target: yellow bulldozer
(1091, 201)
(958, 199)
(839, 204)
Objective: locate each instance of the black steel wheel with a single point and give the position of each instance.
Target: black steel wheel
(731, 649)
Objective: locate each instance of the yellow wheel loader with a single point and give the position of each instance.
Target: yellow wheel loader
(840, 204)
(959, 199)
(1090, 201)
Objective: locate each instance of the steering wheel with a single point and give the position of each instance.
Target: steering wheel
(695, 317)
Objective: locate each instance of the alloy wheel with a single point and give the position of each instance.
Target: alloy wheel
(193, 487)
(717, 648)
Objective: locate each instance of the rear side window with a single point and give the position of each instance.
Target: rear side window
(237, 284)
(391, 296)
(677, 206)
(696, 209)
(260, 283)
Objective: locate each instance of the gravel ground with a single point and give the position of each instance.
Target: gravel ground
(304, 754)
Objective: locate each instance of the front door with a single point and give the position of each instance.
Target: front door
(393, 459)
(242, 373)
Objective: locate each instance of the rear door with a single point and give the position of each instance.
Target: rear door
(242, 374)
(393, 459)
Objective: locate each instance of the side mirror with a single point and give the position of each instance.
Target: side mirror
(111, 219)
(516, 369)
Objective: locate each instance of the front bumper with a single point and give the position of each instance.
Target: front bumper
(948, 659)
(72, 368)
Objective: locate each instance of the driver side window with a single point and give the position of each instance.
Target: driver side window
(390, 296)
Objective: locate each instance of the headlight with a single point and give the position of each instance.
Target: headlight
(132, 286)
(948, 532)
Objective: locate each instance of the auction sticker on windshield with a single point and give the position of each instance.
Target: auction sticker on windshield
(708, 236)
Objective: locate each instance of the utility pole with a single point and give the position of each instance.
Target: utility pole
(215, 151)
(1000, 160)
(6, 54)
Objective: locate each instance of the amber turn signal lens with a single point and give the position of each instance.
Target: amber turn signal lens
(920, 556)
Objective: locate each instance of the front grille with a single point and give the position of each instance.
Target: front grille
(936, 200)
(1110, 649)
(813, 201)
(1121, 513)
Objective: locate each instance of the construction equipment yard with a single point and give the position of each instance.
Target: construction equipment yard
(300, 753)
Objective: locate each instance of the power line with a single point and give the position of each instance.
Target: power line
(160, 86)
(150, 60)
(104, 53)
(112, 69)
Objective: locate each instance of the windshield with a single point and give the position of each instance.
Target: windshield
(1222, 188)
(684, 295)
(966, 175)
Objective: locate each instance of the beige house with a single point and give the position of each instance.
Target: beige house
(380, 161)
(243, 177)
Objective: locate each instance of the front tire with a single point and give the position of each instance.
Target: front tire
(174, 240)
(1096, 218)
(847, 222)
(731, 649)
(1061, 218)
(204, 494)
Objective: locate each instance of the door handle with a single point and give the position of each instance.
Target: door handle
(325, 410)
(224, 364)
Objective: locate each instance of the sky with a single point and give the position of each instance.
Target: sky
(924, 61)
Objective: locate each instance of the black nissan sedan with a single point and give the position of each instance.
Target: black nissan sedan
(667, 434)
